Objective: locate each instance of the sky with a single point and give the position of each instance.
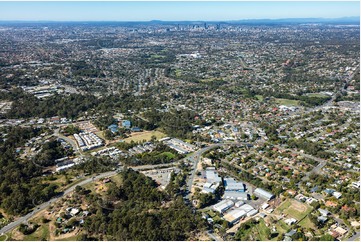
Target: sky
(177, 11)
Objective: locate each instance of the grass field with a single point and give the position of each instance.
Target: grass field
(100, 134)
(169, 155)
(146, 135)
(294, 209)
(263, 230)
(287, 102)
(316, 95)
(72, 238)
(282, 227)
(41, 233)
(306, 223)
(117, 180)
(3, 237)
(259, 97)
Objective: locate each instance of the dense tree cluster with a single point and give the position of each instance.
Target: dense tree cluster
(137, 213)
(51, 151)
(20, 181)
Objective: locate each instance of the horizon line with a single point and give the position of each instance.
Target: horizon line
(159, 20)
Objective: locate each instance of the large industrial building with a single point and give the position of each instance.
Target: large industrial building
(223, 206)
(231, 184)
(263, 194)
(235, 195)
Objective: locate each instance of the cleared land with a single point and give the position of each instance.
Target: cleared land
(146, 135)
(316, 95)
(294, 209)
(287, 102)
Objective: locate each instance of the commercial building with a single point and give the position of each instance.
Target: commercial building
(263, 194)
(180, 146)
(223, 206)
(64, 165)
(235, 195)
(234, 216)
(212, 175)
(231, 184)
(126, 124)
(113, 128)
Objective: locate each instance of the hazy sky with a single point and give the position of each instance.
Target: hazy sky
(133, 11)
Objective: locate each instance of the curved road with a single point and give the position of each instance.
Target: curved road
(46, 204)
(195, 158)
(43, 206)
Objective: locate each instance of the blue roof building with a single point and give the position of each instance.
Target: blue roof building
(136, 129)
(126, 124)
(113, 128)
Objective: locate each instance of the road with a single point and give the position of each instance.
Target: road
(70, 141)
(355, 237)
(46, 204)
(195, 158)
(69, 190)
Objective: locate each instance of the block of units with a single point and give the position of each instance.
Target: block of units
(263, 194)
(223, 206)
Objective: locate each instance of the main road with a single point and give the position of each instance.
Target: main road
(195, 158)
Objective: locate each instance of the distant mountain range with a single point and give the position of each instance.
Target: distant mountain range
(344, 20)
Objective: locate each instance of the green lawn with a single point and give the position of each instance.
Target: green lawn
(3, 237)
(316, 95)
(169, 155)
(117, 179)
(259, 97)
(287, 102)
(297, 214)
(263, 231)
(306, 223)
(211, 213)
(286, 204)
(72, 238)
(147, 135)
(259, 232)
(282, 227)
(178, 73)
(41, 233)
(289, 207)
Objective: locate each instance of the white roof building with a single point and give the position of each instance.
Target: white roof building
(252, 212)
(246, 207)
(238, 204)
(235, 195)
(223, 206)
(263, 194)
(234, 216)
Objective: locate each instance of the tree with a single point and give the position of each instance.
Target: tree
(327, 237)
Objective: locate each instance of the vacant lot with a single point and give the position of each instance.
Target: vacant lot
(307, 223)
(287, 102)
(146, 135)
(294, 209)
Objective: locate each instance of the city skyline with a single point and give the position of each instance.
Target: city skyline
(174, 11)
